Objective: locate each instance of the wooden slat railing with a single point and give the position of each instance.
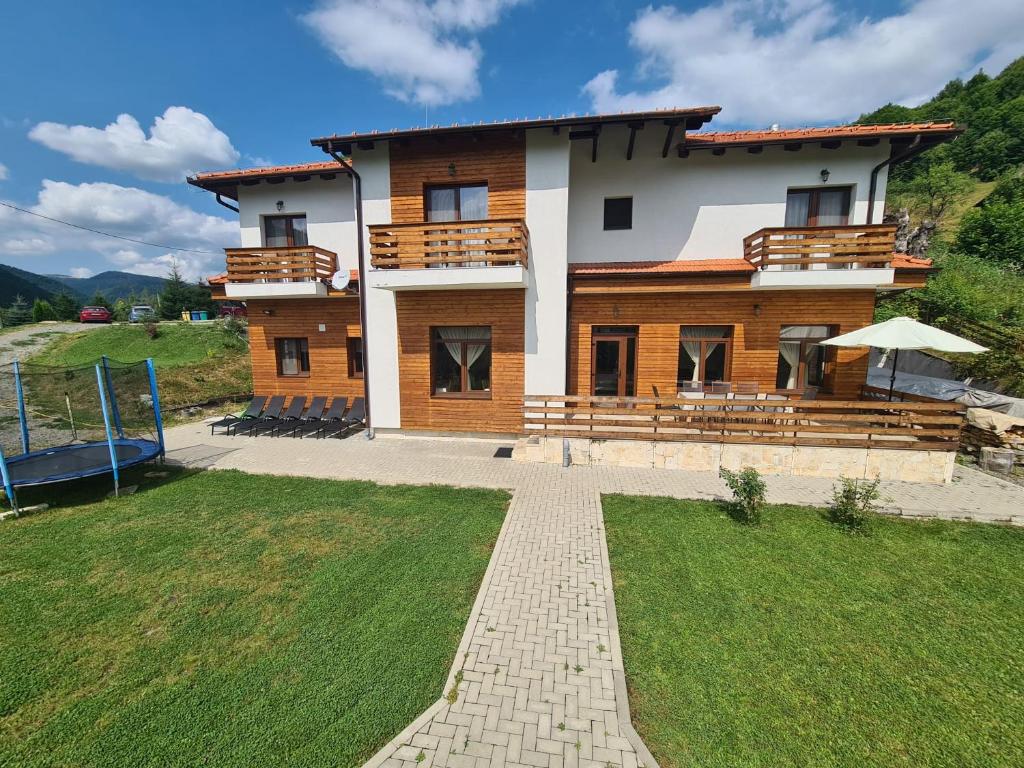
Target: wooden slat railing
(292, 264)
(869, 245)
(423, 244)
(850, 424)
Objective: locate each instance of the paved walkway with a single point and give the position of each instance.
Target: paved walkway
(973, 495)
(538, 678)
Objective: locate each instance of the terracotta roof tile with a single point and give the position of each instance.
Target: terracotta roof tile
(718, 138)
(693, 266)
(904, 261)
(269, 170)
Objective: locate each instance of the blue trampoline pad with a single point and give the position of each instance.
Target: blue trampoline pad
(69, 462)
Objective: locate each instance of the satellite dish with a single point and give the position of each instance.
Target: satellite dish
(339, 280)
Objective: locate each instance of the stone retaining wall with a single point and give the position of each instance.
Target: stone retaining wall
(804, 461)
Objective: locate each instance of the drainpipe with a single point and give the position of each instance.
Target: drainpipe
(913, 149)
(229, 206)
(357, 190)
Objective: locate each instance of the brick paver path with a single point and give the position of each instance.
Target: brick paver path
(538, 678)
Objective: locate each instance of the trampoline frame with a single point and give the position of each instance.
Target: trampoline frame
(112, 424)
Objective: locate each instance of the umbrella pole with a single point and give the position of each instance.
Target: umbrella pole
(892, 379)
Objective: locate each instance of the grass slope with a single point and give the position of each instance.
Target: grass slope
(794, 644)
(195, 363)
(232, 620)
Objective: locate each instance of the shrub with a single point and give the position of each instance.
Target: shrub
(748, 493)
(854, 504)
(42, 310)
(152, 330)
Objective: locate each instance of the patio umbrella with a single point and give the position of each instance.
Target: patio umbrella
(904, 333)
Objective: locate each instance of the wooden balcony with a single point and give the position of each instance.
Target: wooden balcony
(291, 264)
(300, 271)
(800, 248)
(450, 244)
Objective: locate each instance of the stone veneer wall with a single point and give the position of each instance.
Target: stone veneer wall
(801, 461)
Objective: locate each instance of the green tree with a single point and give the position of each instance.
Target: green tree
(42, 310)
(121, 309)
(99, 300)
(994, 232)
(933, 193)
(19, 312)
(176, 296)
(66, 306)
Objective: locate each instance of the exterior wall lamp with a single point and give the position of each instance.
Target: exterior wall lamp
(280, 203)
(268, 312)
(757, 310)
(451, 169)
(824, 175)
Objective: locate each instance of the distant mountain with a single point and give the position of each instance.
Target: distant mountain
(18, 282)
(113, 285)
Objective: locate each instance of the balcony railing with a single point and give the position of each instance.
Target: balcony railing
(866, 245)
(292, 264)
(433, 244)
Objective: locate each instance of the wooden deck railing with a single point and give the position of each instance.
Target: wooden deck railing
(292, 264)
(869, 245)
(487, 242)
(850, 424)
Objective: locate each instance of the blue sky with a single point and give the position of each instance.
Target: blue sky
(253, 81)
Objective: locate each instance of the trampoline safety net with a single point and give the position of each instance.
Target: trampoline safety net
(54, 421)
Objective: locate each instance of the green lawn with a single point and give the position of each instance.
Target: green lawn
(794, 644)
(196, 363)
(224, 619)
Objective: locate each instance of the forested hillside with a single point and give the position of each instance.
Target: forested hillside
(972, 191)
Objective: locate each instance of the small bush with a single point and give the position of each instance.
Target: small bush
(748, 492)
(854, 504)
(152, 330)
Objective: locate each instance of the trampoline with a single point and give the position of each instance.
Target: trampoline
(77, 422)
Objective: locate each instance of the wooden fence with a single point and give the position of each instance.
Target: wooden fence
(291, 264)
(489, 242)
(839, 423)
(870, 245)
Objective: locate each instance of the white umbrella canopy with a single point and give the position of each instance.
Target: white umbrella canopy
(904, 333)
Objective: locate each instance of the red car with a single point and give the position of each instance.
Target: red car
(95, 315)
(232, 309)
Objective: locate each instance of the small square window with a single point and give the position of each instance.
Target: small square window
(292, 357)
(618, 213)
(355, 357)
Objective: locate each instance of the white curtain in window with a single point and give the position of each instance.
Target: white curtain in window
(473, 351)
(797, 332)
(831, 207)
(790, 352)
(690, 339)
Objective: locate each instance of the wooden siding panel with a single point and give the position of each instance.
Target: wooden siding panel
(328, 350)
(497, 158)
(755, 339)
(503, 311)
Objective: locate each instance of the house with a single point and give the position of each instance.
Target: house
(619, 255)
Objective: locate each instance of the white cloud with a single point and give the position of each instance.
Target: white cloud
(180, 142)
(424, 52)
(126, 211)
(81, 272)
(3, 172)
(800, 61)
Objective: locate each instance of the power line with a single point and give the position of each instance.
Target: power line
(108, 234)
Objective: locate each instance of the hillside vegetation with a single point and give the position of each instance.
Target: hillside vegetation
(972, 189)
(196, 363)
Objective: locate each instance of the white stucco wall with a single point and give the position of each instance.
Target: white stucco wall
(330, 214)
(381, 332)
(700, 207)
(547, 204)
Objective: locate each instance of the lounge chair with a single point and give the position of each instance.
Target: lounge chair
(254, 410)
(290, 418)
(355, 417)
(272, 412)
(333, 416)
(313, 413)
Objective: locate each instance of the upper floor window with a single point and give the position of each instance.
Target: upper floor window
(618, 213)
(284, 231)
(292, 357)
(461, 361)
(463, 202)
(820, 207)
